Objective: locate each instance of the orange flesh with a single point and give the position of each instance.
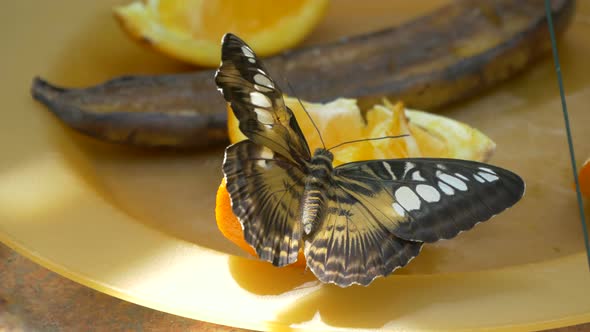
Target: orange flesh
(191, 30)
(215, 18)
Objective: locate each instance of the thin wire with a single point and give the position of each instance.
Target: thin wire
(567, 128)
(365, 140)
(308, 115)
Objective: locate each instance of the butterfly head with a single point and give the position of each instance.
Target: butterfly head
(323, 154)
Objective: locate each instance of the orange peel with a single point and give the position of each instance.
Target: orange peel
(191, 30)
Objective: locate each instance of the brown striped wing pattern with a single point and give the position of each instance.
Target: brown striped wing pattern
(265, 191)
(257, 101)
(381, 211)
(352, 246)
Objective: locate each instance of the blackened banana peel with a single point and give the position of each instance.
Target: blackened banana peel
(443, 57)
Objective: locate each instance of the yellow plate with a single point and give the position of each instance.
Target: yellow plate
(139, 224)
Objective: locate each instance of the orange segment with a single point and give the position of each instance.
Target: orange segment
(227, 222)
(429, 135)
(191, 30)
(584, 179)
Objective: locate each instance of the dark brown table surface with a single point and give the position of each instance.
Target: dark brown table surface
(33, 298)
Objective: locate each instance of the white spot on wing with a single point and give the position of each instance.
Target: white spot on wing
(416, 176)
(487, 170)
(478, 178)
(407, 198)
(453, 181)
(428, 193)
(263, 80)
(247, 51)
(461, 176)
(446, 188)
(407, 167)
(264, 154)
(267, 154)
(388, 169)
(262, 88)
(259, 99)
(251, 60)
(488, 177)
(399, 209)
(264, 116)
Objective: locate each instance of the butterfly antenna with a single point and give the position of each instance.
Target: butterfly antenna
(306, 112)
(366, 139)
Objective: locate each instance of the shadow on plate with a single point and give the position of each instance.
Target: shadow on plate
(383, 302)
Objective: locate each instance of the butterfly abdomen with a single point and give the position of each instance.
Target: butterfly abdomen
(312, 205)
(313, 199)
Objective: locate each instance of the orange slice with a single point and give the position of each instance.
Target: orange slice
(191, 30)
(430, 135)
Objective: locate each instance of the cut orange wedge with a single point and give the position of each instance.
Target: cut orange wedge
(429, 135)
(191, 30)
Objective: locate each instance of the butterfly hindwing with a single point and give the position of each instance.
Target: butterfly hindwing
(265, 191)
(257, 101)
(351, 246)
(426, 199)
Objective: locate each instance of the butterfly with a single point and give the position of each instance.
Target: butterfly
(357, 221)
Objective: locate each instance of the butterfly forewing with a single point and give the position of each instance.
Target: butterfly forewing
(265, 191)
(426, 199)
(257, 101)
